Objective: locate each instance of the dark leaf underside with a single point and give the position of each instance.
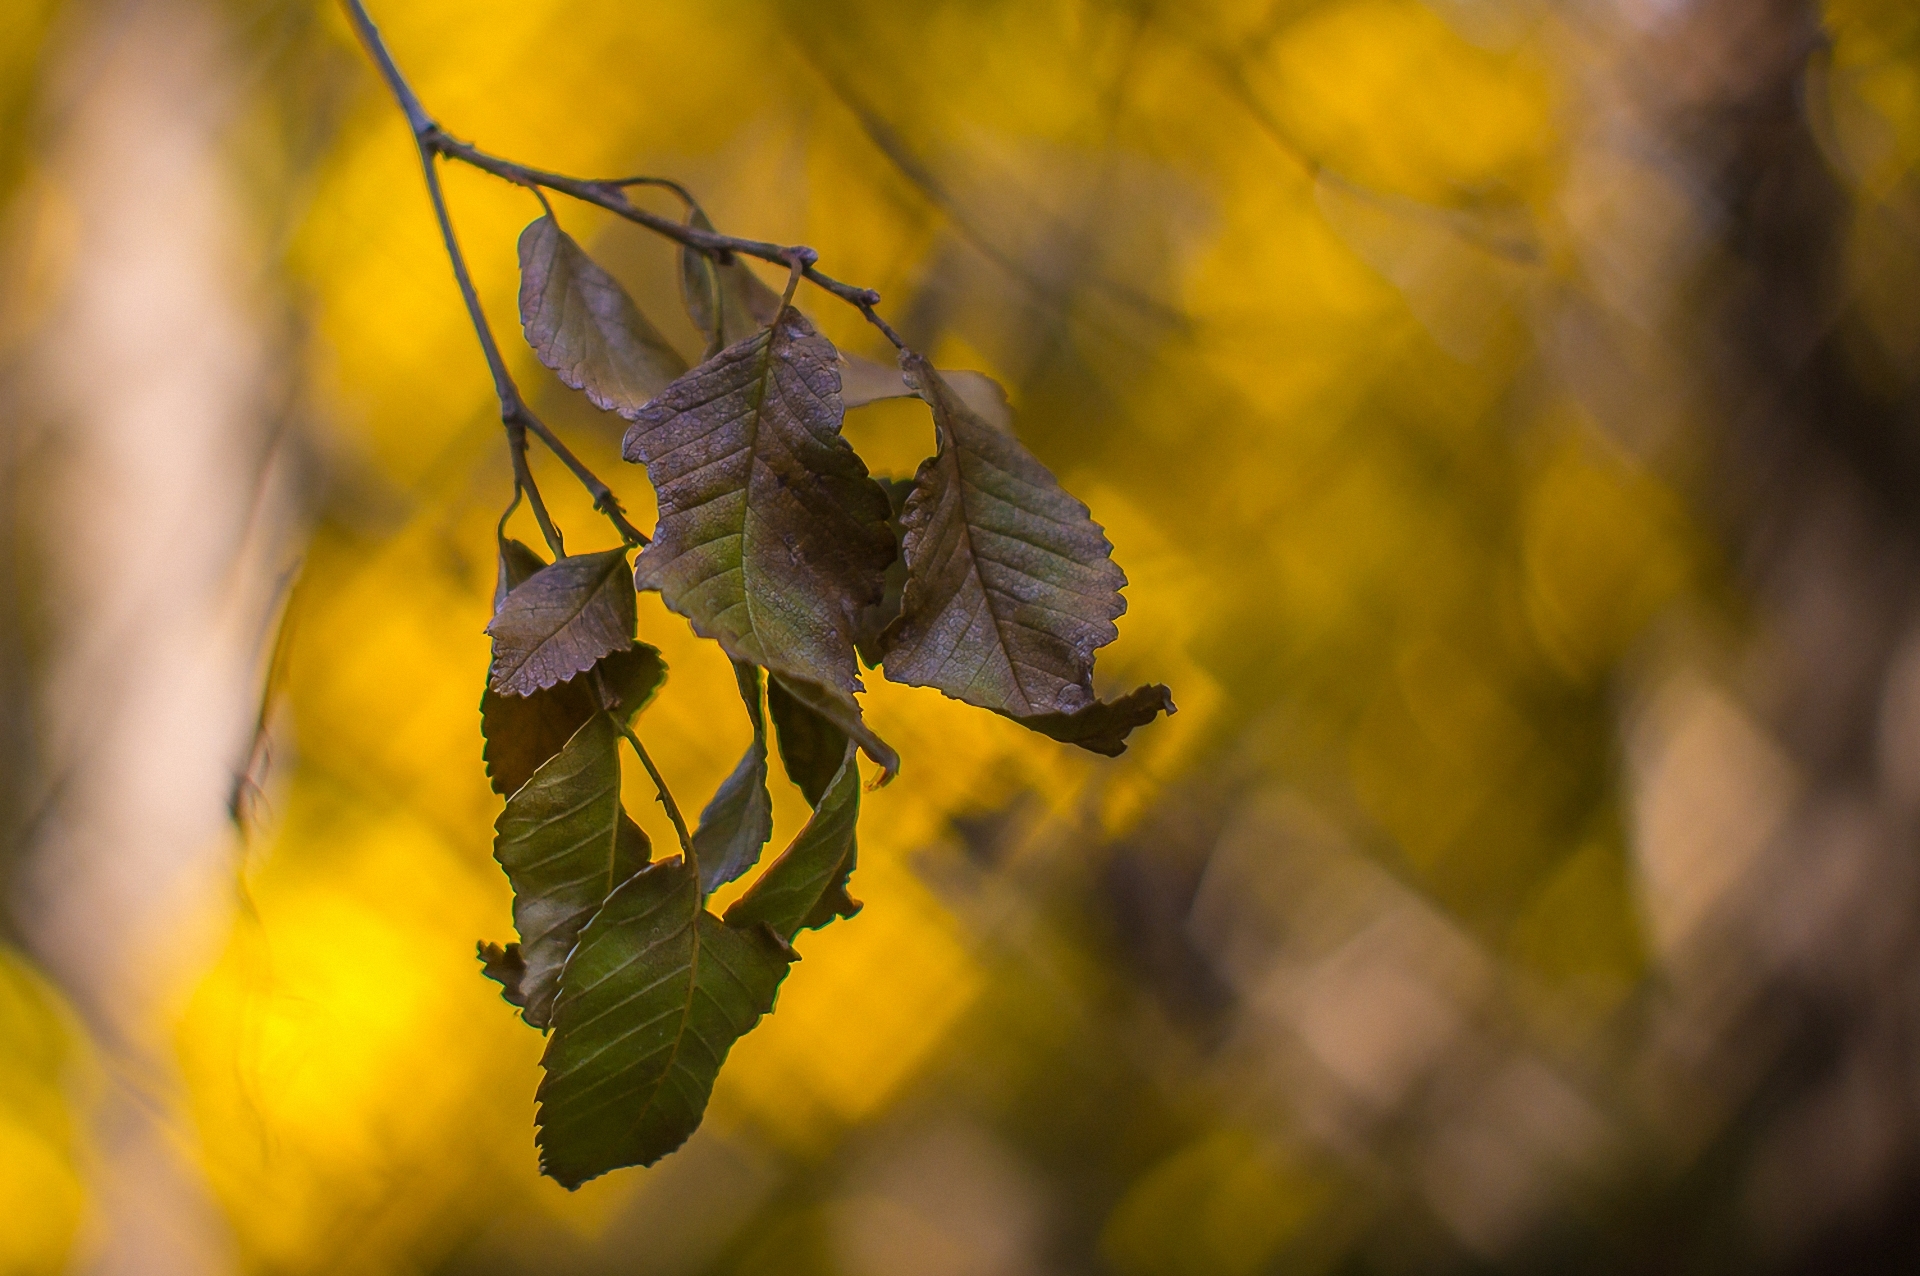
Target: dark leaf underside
(1103, 726)
(811, 746)
(524, 731)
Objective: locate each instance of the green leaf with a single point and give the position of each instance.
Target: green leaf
(582, 324)
(560, 620)
(811, 746)
(739, 819)
(771, 539)
(565, 843)
(726, 301)
(523, 731)
(1011, 587)
(654, 996)
(1102, 727)
(807, 886)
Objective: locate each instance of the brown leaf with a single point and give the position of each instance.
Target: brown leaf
(772, 539)
(560, 620)
(1011, 587)
(523, 731)
(582, 324)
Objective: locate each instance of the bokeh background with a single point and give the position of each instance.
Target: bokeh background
(1505, 411)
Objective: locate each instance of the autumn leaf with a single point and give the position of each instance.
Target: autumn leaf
(807, 886)
(560, 621)
(565, 843)
(653, 998)
(771, 538)
(1010, 585)
(521, 732)
(737, 822)
(581, 323)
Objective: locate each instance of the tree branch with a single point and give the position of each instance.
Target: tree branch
(607, 193)
(514, 412)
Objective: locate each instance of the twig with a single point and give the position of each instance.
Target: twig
(609, 194)
(660, 787)
(514, 412)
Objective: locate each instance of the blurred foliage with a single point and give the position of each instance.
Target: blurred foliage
(1271, 287)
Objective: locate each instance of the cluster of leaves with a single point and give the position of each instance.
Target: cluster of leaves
(980, 576)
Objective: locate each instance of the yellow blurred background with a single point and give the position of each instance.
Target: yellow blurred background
(1505, 412)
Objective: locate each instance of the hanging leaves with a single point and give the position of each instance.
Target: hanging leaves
(980, 577)
(561, 620)
(772, 539)
(565, 843)
(739, 819)
(1010, 585)
(806, 888)
(654, 996)
(582, 324)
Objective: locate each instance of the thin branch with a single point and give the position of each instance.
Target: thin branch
(610, 196)
(660, 787)
(514, 412)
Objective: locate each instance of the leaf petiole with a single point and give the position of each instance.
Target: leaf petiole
(665, 794)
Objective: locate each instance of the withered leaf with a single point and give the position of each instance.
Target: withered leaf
(726, 301)
(565, 843)
(811, 746)
(771, 539)
(1102, 727)
(582, 324)
(739, 819)
(1011, 587)
(653, 998)
(560, 620)
(807, 886)
(523, 731)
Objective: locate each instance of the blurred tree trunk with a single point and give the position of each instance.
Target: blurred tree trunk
(157, 522)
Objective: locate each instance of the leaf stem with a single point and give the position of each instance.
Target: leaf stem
(660, 787)
(514, 412)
